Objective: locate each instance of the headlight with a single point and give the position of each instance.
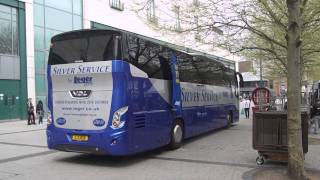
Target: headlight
(116, 119)
(49, 121)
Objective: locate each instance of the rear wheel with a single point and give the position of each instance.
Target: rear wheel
(177, 134)
(260, 160)
(229, 119)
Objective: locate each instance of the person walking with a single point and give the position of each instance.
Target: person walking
(247, 107)
(30, 110)
(39, 110)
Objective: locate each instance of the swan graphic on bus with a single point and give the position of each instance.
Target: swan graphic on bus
(118, 93)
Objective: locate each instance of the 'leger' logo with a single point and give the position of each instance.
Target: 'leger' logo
(82, 80)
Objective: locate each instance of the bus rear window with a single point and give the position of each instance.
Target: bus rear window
(84, 47)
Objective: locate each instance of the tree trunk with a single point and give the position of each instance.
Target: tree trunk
(296, 156)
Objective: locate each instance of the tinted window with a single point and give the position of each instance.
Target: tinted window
(188, 71)
(210, 71)
(230, 77)
(83, 47)
(148, 57)
(198, 69)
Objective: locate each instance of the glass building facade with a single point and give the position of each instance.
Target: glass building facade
(51, 17)
(13, 75)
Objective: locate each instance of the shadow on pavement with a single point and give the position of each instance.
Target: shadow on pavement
(122, 161)
(206, 134)
(112, 161)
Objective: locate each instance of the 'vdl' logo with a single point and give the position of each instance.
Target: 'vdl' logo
(82, 80)
(80, 93)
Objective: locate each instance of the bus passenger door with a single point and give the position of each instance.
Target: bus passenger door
(175, 88)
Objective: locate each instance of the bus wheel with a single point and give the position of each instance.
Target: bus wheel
(176, 135)
(229, 119)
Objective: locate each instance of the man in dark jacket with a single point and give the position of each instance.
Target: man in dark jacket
(39, 111)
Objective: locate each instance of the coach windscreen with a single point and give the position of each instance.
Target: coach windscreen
(85, 46)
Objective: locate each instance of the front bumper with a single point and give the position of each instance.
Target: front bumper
(108, 141)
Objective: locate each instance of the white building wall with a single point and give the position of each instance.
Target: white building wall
(99, 11)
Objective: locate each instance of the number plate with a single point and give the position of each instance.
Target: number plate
(79, 138)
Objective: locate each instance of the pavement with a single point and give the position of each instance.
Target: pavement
(222, 154)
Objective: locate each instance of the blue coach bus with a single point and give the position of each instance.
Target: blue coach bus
(119, 93)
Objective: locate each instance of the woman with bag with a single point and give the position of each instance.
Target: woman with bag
(30, 110)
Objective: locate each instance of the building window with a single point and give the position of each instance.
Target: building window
(151, 14)
(9, 43)
(196, 3)
(197, 33)
(176, 10)
(8, 31)
(116, 4)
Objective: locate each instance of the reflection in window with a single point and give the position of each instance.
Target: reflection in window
(211, 71)
(148, 57)
(41, 85)
(85, 46)
(39, 61)
(77, 22)
(8, 31)
(203, 70)
(39, 38)
(38, 15)
(187, 70)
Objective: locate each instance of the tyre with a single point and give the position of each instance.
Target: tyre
(229, 119)
(177, 134)
(260, 160)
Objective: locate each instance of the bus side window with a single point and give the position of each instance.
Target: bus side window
(187, 70)
(211, 71)
(124, 46)
(134, 50)
(145, 56)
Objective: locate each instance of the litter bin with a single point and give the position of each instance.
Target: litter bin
(270, 135)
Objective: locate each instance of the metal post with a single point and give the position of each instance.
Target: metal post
(261, 73)
(260, 96)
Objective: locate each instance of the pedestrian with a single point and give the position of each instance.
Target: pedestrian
(30, 110)
(39, 110)
(314, 124)
(247, 107)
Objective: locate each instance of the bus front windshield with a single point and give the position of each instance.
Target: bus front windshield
(84, 46)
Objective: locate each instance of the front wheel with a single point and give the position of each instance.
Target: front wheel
(177, 134)
(229, 120)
